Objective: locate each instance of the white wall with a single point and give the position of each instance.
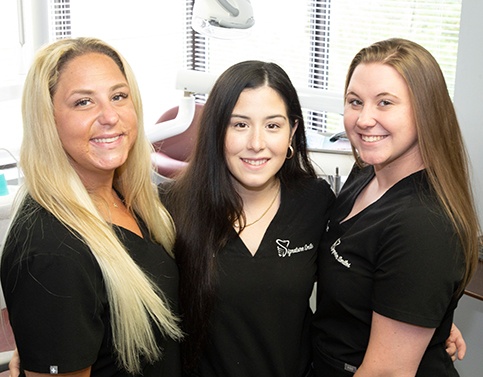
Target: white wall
(151, 40)
(325, 163)
(153, 47)
(468, 102)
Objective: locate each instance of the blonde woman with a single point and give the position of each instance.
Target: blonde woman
(87, 269)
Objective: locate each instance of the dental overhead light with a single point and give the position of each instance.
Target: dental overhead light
(225, 19)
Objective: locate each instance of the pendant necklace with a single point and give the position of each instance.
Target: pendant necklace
(116, 197)
(237, 225)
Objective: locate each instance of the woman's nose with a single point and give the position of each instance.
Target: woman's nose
(256, 139)
(108, 114)
(366, 118)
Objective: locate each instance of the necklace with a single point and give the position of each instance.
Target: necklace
(116, 197)
(237, 225)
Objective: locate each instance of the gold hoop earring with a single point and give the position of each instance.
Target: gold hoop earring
(291, 154)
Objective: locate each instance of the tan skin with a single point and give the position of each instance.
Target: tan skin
(256, 144)
(97, 125)
(252, 236)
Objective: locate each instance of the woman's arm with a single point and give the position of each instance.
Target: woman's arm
(395, 348)
(455, 344)
(14, 364)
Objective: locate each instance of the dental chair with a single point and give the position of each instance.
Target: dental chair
(172, 154)
(173, 135)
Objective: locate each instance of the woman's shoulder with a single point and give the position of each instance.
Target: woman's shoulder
(52, 253)
(422, 208)
(415, 193)
(310, 190)
(36, 231)
(415, 206)
(33, 217)
(359, 175)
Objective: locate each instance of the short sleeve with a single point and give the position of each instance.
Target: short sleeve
(54, 296)
(419, 267)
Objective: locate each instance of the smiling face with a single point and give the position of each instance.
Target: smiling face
(257, 138)
(379, 120)
(94, 115)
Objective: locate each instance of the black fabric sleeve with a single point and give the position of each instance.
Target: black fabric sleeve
(54, 294)
(419, 267)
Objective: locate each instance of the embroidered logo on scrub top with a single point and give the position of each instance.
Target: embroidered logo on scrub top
(285, 251)
(336, 255)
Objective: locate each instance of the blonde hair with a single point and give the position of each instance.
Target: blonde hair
(439, 135)
(134, 305)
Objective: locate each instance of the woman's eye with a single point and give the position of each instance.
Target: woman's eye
(119, 96)
(354, 102)
(240, 125)
(385, 102)
(272, 126)
(82, 102)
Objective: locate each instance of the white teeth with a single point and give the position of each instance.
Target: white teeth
(255, 162)
(106, 140)
(371, 139)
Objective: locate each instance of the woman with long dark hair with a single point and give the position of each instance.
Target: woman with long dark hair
(249, 213)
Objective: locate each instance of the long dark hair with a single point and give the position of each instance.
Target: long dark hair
(204, 202)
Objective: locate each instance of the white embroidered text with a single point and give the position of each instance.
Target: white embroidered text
(336, 255)
(284, 250)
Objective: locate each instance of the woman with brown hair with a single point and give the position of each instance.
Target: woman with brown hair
(401, 243)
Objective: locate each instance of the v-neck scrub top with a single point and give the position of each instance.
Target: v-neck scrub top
(261, 320)
(57, 301)
(401, 258)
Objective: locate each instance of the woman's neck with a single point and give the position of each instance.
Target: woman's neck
(257, 203)
(258, 195)
(388, 175)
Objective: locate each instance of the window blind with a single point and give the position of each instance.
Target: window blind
(196, 48)
(432, 23)
(60, 19)
(315, 40)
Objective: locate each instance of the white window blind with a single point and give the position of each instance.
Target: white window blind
(315, 40)
(60, 19)
(432, 23)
